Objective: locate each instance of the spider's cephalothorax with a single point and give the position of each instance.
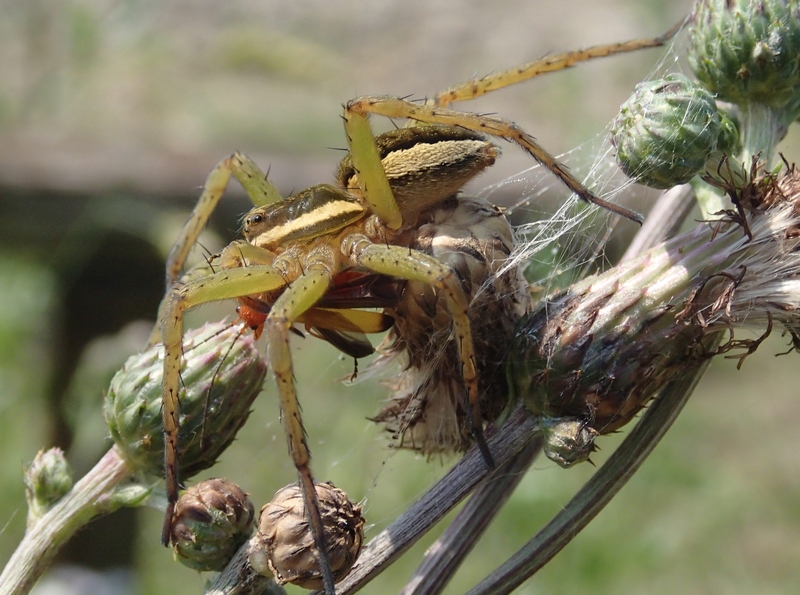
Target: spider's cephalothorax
(393, 234)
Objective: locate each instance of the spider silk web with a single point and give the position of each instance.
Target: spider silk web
(561, 239)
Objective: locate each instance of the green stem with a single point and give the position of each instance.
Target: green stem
(92, 496)
(762, 129)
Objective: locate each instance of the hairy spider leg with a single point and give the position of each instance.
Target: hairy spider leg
(412, 265)
(476, 87)
(256, 185)
(217, 286)
(394, 107)
(371, 175)
(299, 296)
(409, 264)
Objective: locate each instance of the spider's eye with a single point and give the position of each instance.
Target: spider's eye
(255, 219)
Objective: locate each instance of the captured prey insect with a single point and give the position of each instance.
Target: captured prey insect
(392, 234)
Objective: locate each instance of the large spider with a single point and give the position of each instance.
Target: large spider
(316, 257)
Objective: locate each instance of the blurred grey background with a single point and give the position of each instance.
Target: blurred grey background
(111, 116)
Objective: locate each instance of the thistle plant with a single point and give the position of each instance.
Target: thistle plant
(746, 53)
(225, 372)
(47, 479)
(669, 130)
(583, 363)
(284, 548)
(212, 519)
(587, 359)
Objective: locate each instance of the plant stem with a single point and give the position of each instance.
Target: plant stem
(597, 492)
(762, 129)
(445, 556)
(90, 497)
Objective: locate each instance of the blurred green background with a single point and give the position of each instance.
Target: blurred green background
(112, 114)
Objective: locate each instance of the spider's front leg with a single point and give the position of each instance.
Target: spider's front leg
(299, 297)
(255, 183)
(218, 286)
(257, 187)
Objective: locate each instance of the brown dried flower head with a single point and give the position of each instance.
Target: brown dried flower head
(427, 411)
(284, 547)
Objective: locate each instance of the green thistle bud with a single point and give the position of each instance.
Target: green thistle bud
(223, 373)
(747, 51)
(588, 359)
(667, 130)
(212, 520)
(47, 479)
(568, 440)
(284, 547)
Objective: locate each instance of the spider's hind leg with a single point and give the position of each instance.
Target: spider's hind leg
(476, 87)
(394, 107)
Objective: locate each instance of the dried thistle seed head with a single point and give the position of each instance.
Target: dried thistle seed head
(47, 479)
(427, 411)
(667, 130)
(212, 520)
(747, 51)
(284, 547)
(222, 374)
(601, 350)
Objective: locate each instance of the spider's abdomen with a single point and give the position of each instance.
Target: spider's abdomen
(425, 165)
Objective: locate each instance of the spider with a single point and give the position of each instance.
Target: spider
(320, 256)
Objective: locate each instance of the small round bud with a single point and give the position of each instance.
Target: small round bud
(212, 520)
(747, 51)
(667, 130)
(567, 441)
(47, 479)
(284, 546)
(222, 374)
